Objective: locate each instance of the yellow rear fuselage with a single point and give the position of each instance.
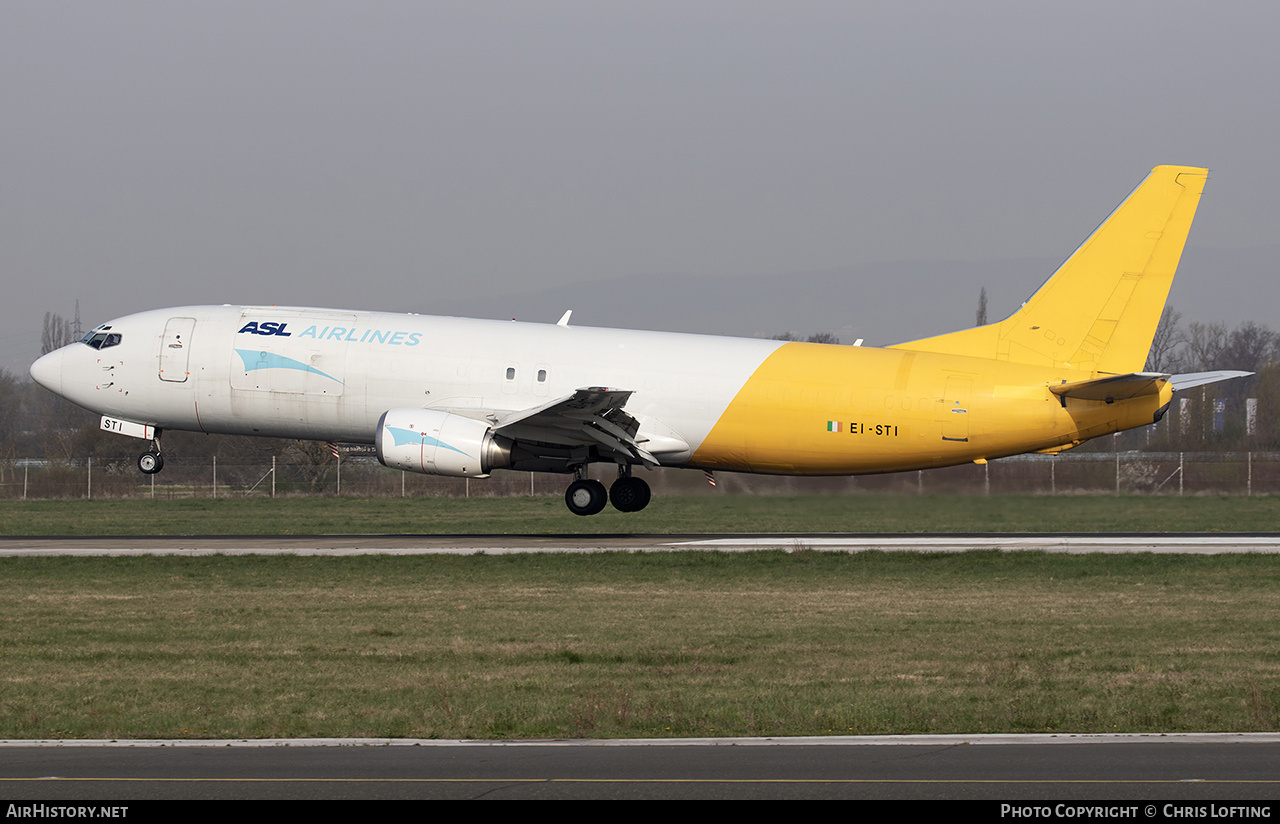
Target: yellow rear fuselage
(813, 409)
(984, 392)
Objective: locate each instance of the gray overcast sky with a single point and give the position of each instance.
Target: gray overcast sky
(387, 155)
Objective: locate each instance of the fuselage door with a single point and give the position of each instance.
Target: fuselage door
(954, 410)
(175, 349)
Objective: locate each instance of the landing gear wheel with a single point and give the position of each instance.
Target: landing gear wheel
(150, 463)
(586, 497)
(629, 494)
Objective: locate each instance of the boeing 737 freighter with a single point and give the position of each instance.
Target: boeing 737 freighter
(459, 397)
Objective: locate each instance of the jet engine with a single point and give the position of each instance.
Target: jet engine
(439, 443)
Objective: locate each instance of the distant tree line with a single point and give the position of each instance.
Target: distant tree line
(816, 337)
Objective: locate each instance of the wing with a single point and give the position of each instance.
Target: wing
(591, 417)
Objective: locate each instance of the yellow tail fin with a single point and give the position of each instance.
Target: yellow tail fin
(1099, 311)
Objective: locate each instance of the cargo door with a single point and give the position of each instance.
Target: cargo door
(954, 414)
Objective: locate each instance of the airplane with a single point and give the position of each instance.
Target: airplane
(464, 397)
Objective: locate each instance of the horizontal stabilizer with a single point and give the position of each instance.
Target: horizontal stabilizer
(1113, 388)
(1138, 384)
(1191, 379)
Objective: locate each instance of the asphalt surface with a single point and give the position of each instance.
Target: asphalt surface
(1152, 770)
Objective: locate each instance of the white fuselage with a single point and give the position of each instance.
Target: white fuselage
(329, 374)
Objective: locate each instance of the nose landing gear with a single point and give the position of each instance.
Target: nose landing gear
(151, 462)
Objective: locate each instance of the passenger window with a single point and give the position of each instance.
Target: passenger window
(542, 376)
(511, 373)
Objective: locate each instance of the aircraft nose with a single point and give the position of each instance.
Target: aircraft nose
(47, 371)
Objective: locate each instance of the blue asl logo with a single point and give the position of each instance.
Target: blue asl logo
(268, 328)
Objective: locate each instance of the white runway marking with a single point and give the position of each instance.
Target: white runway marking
(805, 741)
(504, 545)
(1199, 544)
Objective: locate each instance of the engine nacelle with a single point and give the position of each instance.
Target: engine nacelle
(439, 443)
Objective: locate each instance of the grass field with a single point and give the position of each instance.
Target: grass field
(728, 513)
(690, 644)
(615, 644)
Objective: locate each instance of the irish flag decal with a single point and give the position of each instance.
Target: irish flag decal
(833, 426)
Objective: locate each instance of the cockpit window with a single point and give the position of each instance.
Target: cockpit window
(101, 339)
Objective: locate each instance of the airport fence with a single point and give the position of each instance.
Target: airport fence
(1158, 473)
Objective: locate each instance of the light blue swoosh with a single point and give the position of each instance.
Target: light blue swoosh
(257, 359)
(408, 436)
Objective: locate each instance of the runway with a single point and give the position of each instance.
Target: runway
(1072, 543)
(1152, 770)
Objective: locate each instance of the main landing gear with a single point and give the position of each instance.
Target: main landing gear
(588, 497)
(629, 494)
(585, 497)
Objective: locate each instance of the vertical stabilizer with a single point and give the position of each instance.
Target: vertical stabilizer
(1099, 311)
